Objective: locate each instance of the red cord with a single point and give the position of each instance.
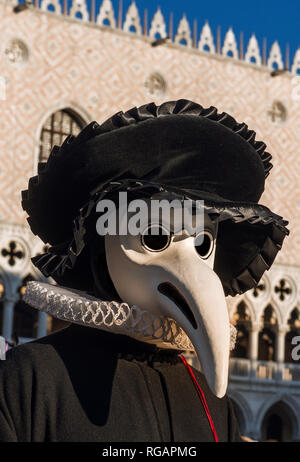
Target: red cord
(202, 397)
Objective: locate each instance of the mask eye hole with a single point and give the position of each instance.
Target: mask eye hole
(155, 239)
(205, 246)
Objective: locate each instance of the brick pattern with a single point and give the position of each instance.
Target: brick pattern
(98, 71)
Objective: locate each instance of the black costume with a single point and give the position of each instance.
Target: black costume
(84, 384)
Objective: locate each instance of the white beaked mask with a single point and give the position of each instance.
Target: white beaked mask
(165, 291)
(168, 275)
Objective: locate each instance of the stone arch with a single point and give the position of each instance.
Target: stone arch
(242, 410)
(287, 408)
(276, 309)
(106, 14)
(275, 57)
(230, 46)
(79, 10)
(253, 53)
(206, 42)
(70, 105)
(57, 127)
(250, 306)
(296, 63)
(183, 35)
(132, 20)
(288, 312)
(51, 5)
(158, 26)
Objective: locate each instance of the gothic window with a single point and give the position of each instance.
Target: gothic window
(294, 330)
(267, 335)
(242, 323)
(278, 423)
(56, 128)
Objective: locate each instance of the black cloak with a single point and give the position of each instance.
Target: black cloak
(86, 385)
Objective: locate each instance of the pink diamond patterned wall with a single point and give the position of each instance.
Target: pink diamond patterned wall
(49, 62)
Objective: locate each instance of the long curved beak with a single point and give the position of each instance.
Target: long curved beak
(177, 284)
(201, 311)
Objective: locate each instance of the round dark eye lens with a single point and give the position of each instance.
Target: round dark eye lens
(156, 241)
(205, 249)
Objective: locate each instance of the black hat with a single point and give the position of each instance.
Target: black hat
(178, 146)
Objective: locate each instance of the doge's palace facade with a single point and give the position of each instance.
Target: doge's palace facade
(61, 68)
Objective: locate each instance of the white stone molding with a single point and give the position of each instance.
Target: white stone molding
(55, 3)
(230, 46)
(253, 52)
(233, 302)
(206, 40)
(296, 63)
(183, 33)
(132, 19)
(280, 343)
(288, 287)
(106, 13)
(275, 57)
(261, 292)
(244, 407)
(253, 340)
(271, 279)
(79, 6)
(269, 296)
(12, 276)
(28, 244)
(158, 26)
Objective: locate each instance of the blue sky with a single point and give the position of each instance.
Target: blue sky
(273, 19)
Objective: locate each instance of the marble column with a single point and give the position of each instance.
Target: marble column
(8, 316)
(280, 343)
(42, 324)
(280, 351)
(253, 351)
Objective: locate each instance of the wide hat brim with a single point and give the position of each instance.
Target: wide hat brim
(178, 146)
(249, 238)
